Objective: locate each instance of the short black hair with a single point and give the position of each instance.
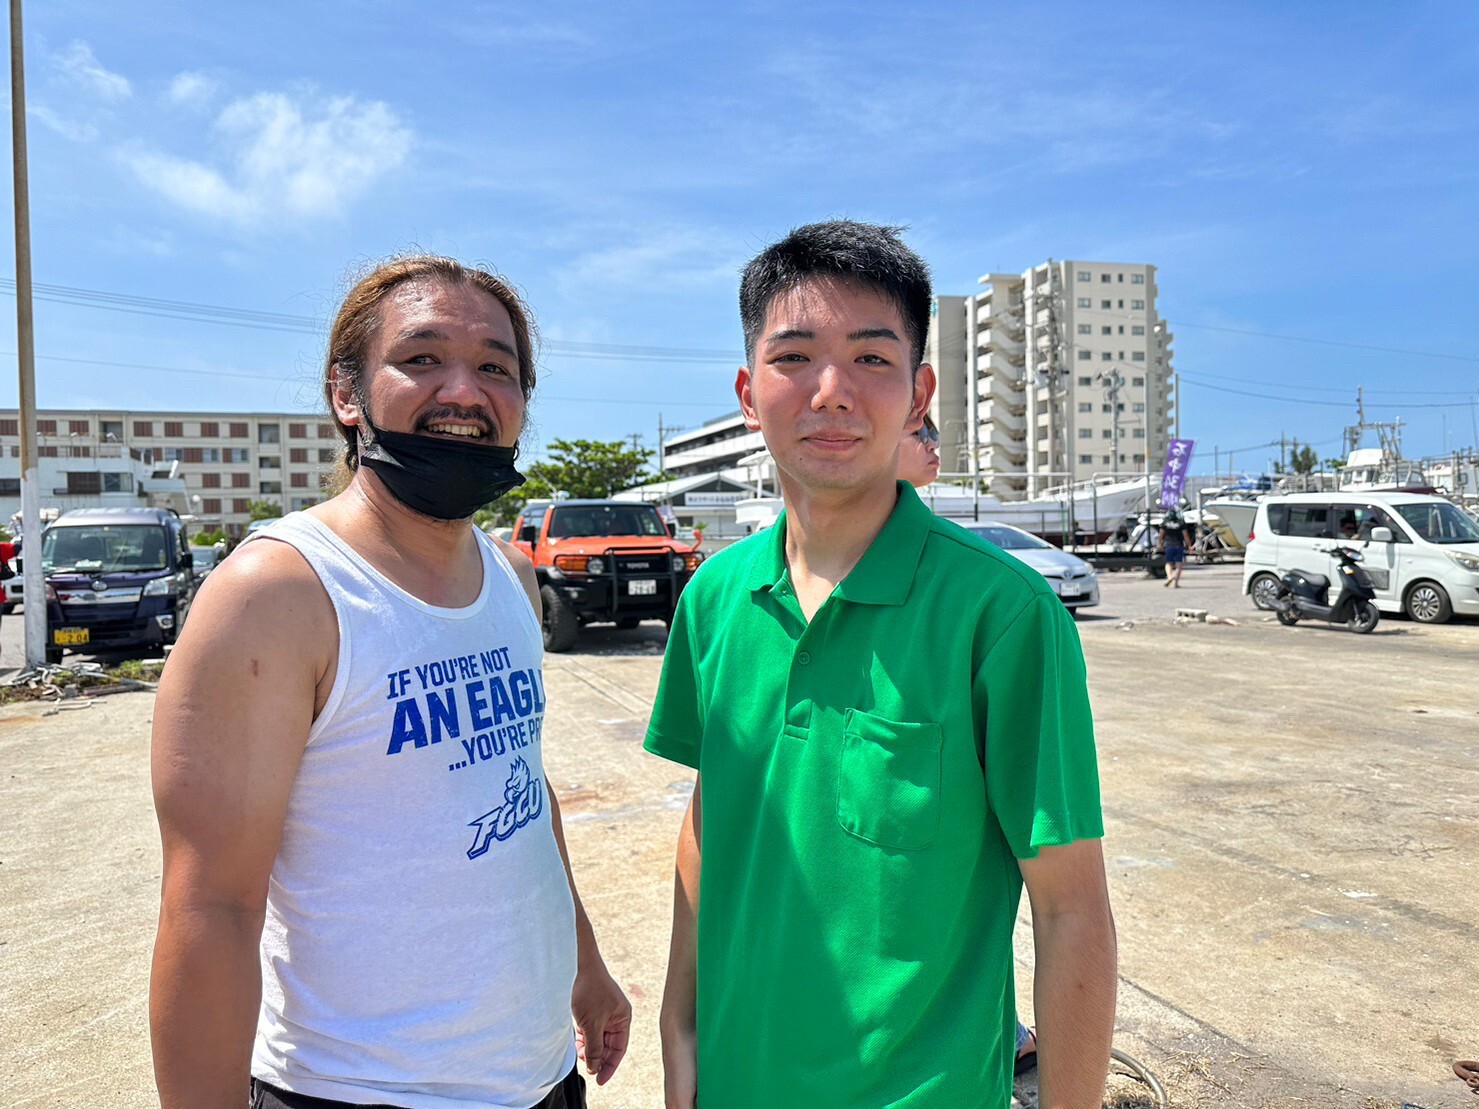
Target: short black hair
(866, 254)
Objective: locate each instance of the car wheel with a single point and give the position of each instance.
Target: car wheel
(1364, 619)
(627, 623)
(7, 608)
(561, 627)
(1427, 603)
(1263, 589)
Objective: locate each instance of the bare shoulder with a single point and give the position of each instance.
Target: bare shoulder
(523, 567)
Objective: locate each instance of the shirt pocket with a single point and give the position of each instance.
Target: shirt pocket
(888, 781)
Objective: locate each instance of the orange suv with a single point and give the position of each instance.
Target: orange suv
(611, 561)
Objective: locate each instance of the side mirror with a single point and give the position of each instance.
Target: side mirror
(187, 561)
(528, 533)
(1381, 535)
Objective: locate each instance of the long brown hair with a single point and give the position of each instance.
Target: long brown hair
(359, 316)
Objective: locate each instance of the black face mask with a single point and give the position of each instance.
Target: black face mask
(438, 477)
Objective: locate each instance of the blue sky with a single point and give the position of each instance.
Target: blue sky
(1302, 170)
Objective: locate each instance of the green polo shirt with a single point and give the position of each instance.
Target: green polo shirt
(870, 780)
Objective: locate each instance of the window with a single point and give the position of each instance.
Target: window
(211, 506)
(1308, 520)
(327, 431)
(1106, 357)
(44, 452)
(192, 454)
(210, 454)
(45, 427)
(144, 428)
(75, 451)
(1108, 459)
(1106, 434)
(300, 503)
(1104, 279)
(1138, 406)
(1137, 329)
(1138, 382)
(1108, 408)
(1085, 355)
(235, 454)
(1106, 304)
(270, 462)
(297, 431)
(1086, 381)
(1119, 277)
(210, 481)
(298, 481)
(270, 487)
(1138, 356)
(1122, 329)
(111, 430)
(174, 429)
(10, 427)
(1139, 433)
(210, 430)
(298, 454)
(327, 456)
(1085, 406)
(1122, 303)
(1085, 275)
(118, 483)
(1106, 331)
(269, 433)
(10, 487)
(174, 454)
(1085, 329)
(241, 481)
(79, 427)
(239, 504)
(1136, 304)
(1085, 459)
(87, 482)
(1085, 302)
(1086, 433)
(1137, 279)
(239, 431)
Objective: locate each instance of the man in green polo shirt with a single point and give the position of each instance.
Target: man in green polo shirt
(891, 727)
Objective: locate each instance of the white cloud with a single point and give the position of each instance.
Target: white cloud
(281, 158)
(68, 128)
(83, 68)
(193, 90)
(675, 258)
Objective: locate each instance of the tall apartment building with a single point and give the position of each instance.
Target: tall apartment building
(227, 459)
(1064, 371)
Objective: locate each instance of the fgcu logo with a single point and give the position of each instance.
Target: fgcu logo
(523, 800)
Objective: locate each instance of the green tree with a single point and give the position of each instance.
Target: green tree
(207, 538)
(264, 510)
(1303, 460)
(577, 468)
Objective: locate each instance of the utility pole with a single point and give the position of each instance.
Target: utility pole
(35, 585)
(661, 467)
(1113, 382)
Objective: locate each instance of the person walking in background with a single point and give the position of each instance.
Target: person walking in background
(1174, 541)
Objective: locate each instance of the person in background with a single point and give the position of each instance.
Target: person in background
(1174, 540)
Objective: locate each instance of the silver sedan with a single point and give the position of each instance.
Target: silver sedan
(1073, 579)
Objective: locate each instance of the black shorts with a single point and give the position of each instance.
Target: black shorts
(569, 1094)
(1175, 555)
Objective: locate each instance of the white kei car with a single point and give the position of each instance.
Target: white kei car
(1073, 579)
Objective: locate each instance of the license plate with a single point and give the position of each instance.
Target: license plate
(69, 637)
(1067, 590)
(642, 587)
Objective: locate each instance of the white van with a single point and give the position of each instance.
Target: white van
(1420, 551)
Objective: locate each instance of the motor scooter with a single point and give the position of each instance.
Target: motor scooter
(1305, 596)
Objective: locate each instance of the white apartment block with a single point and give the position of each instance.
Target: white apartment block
(227, 459)
(715, 447)
(1064, 371)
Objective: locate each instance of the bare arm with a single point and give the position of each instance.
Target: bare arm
(234, 709)
(603, 1015)
(1074, 988)
(678, 1022)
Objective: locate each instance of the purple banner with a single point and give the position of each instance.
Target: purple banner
(1178, 462)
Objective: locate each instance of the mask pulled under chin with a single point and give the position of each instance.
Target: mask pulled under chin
(438, 477)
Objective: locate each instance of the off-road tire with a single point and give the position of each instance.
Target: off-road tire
(627, 623)
(1428, 603)
(1262, 590)
(561, 626)
(1364, 618)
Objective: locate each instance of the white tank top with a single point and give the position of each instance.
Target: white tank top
(419, 945)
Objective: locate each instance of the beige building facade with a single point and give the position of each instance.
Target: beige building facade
(1063, 371)
(227, 459)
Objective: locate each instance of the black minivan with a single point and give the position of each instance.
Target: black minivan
(115, 578)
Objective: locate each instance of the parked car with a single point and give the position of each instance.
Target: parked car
(115, 577)
(1420, 551)
(599, 561)
(205, 559)
(1073, 579)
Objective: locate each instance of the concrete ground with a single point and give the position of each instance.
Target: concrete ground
(1291, 823)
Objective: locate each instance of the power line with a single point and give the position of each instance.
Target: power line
(1308, 400)
(1325, 342)
(1198, 374)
